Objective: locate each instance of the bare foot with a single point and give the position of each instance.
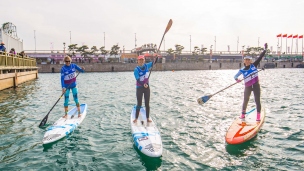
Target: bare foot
(135, 120)
(65, 116)
(79, 115)
(149, 120)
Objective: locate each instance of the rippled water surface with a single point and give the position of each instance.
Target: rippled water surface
(193, 136)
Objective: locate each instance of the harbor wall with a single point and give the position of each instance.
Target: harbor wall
(121, 67)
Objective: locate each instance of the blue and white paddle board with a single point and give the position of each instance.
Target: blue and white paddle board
(145, 134)
(63, 127)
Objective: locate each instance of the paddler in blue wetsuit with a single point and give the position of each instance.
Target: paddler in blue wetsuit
(251, 79)
(68, 82)
(141, 73)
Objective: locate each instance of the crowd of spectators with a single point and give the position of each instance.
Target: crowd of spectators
(12, 51)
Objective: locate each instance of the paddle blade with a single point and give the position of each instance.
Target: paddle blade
(44, 120)
(168, 26)
(203, 99)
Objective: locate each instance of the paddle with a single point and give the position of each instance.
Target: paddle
(204, 99)
(167, 29)
(44, 120)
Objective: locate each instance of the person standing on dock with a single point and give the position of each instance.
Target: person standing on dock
(68, 82)
(2, 47)
(251, 79)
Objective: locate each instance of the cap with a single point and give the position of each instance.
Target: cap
(141, 57)
(247, 57)
(2, 43)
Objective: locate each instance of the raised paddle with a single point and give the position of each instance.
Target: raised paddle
(44, 120)
(167, 29)
(204, 99)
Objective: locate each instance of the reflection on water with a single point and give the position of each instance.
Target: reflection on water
(239, 150)
(150, 163)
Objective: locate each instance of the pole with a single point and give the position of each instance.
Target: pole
(215, 44)
(286, 45)
(281, 44)
(237, 45)
(258, 41)
(35, 39)
(164, 45)
(135, 41)
(104, 39)
(190, 44)
(210, 54)
(70, 38)
(291, 44)
(63, 49)
(297, 44)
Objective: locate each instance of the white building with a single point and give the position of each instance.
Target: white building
(8, 35)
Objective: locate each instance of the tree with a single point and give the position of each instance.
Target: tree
(83, 52)
(114, 50)
(72, 48)
(178, 49)
(170, 51)
(103, 51)
(94, 50)
(203, 50)
(253, 51)
(196, 50)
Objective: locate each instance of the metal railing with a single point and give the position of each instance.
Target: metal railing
(7, 59)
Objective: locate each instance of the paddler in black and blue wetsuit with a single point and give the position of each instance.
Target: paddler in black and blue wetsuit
(141, 73)
(251, 79)
(68, 82)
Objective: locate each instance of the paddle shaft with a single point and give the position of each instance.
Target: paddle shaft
(167, 29)
(46, 116)
(233, 84)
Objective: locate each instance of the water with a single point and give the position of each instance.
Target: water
(193, 136)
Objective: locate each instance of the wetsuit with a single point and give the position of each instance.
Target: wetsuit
(250, 73)
(141, 74)
(68, 81)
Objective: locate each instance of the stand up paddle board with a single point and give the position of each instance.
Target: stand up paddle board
(63, 127)
(242, 130)
(145, 135)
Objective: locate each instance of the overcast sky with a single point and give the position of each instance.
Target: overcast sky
(88, 20)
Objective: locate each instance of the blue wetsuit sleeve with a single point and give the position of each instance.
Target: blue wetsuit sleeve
(62, 78)
(149, 65)
(136, 74)
(237, 75)
(78, 68)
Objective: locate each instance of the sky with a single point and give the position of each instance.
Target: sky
(219, 23)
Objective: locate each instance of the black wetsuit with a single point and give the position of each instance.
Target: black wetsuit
(255, 88)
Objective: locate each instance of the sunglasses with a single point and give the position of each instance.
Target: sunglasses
(67, 61)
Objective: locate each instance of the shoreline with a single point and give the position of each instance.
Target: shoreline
(176, 66)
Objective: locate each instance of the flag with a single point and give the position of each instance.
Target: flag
(290, 36)
(301, 37)
(279, 35)
(284, 35)
(295, 36)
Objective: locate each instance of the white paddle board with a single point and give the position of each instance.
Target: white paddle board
(63, 127)
(145, 135)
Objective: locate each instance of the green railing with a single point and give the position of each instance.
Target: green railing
(7, 59)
